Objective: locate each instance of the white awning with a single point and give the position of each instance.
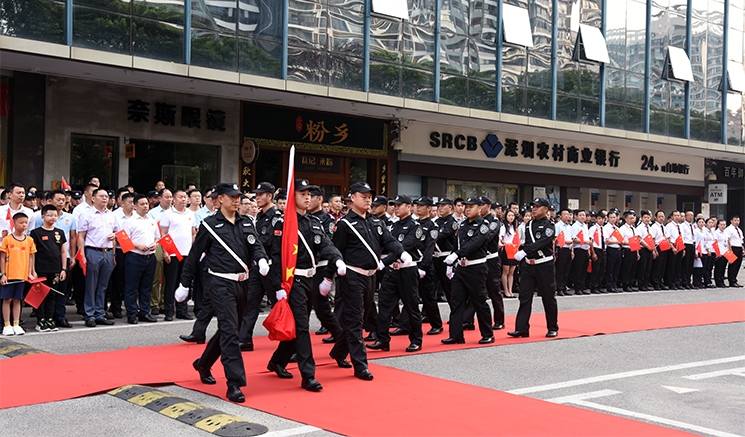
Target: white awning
(392, 8)
(590, 45)
(677, 65)
(516, 25)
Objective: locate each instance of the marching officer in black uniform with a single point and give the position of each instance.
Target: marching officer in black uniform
(445, 244)
(400, 280)
(226, 239)
(360, 237)
(427, 276)
(312, 242)
(493, 264)
(536, 258)
(469, 276)
(269, 226)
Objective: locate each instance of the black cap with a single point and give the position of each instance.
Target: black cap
(401, 199)
(264, 187)
(380, 200)
(424, 200)
(316, 191)
(76, 194)
(540, 201)
(445, 201)
(30, 195)
(485, 200)
(111, 193)
(473, 201)
(593, 214)
(347, 198)
(304, 185)
(496, 205)
(227, 189)
(361, 187)
(151, 194)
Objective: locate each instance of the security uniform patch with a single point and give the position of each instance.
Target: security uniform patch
(418, 233)
(317, 239)
(434, 234)
(251, 239)
(484, 229)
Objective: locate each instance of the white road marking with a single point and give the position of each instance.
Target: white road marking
(580, 400)
(680, 390)
(630, 374)
(292, 431)
(739, 372)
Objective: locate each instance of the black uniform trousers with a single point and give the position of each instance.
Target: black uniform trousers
(672, 270)
(427, 288)
(734, 268)
(117, 284)
(686, 268)
(698, 276)
(399, 284)
(493, 286)
(708, 262)
(628, 268)
(256, 291)
(441, 270)
(46, 308)
(229, 300)
(322, 306)
(206, 311)
(720, 264)
(299, 300)
(350, 310)
(469, 283)
(578, 272)
(538, 278)
(598, 270)
(370, 318)
(198, 289)
(612, 268)
(644, 267)
(563, 264)
(658, 269)
(171, 275)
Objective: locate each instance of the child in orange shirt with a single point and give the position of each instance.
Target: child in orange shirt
(16, 266)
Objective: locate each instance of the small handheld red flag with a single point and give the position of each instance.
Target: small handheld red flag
(649, 239)
(124, 241)
(699, 249)
(679, 245)
(81, 261)
(169, 247)
(65, 185)
(617, 235)
(516, 239)
(589, 266)
(510, 250)
(664, 245)
(717, 250)
(560, 239)
(581, 237)
(37, 293)
(730, 256)
(9, 219)
(634, 245)
(596, 236)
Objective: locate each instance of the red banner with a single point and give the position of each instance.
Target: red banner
(169, 247)
(581, 237)
(617, 235)
(65, 185)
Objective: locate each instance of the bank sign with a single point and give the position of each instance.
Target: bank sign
(504, 148)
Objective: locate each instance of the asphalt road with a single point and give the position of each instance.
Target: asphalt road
(688, 378)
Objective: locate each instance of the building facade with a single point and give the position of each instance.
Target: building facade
(594, 103)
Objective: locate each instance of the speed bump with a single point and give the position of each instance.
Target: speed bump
(11, 349)
(200, 416)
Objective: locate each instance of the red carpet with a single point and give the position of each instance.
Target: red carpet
(43, 378)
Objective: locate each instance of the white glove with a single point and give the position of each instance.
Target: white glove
(263, 267)
(325, 287)
(406, 259)
(449, 272)
(451, 258)
(181, 293)
(381, 266)
(281, 294)
(422, 273)
(520, 255)
(341, 268)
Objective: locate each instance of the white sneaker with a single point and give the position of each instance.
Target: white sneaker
(8, 330)
(17, 330)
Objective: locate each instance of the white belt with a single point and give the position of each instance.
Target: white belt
(399, 265)
(492, 255)
(323, 263)
(441, 254)
(533, 262)
(305, 273)
(471, 262)
(238, 277)
(361, 271)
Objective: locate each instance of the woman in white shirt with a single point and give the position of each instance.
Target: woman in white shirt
(506, 236)
(698, 265)
(708, 247)
(720, 265)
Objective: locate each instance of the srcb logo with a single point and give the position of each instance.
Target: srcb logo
(491, 146)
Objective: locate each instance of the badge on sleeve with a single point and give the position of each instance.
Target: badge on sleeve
(434, 233)
(251, 239)
(470, 232)
(418, 233)
(380, 230)
(455, 225)
(317, 239)
(549, 232)
(484, 229)
(274, 220)
(332, 227)
(400, 237)
(263, 230)
(493, 225)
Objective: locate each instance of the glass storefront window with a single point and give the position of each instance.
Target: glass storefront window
(358, 170)
(176, 164)
(307, 65)
(94, 156)
(260, 57)
(101, 30)
(345, 72)
(157, 40)
(212, 50)
(41, 20)
(502, 193)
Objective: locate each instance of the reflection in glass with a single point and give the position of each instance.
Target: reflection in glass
(99, 30)
(734, 118)
(539, 104)
(345, 72)
(615, 33)
(634, 119)
(482, 60)
(592, 12)
(307, 24)
(417, 84)
(713, 131)
(453, 53)
(513, 66)
(307, 65)
(698, 100)
(658, 123)
(41, 20)
(698, 129)
(122, 6)
(422, 12)
(385, 79)
(714, 54)
(157, 40)
(346, 31)
(615, 116)
(513, 99)
(614, 85)
(454, 16)
(714, 104)
(259, 57)
(566, 109)
(676, 126)
(660, 29)
(589, 112)
(698, 50)
(171, 11)
(385, 40)
(589, 80)
(453, 90)
(419, 46)
(539, 56)
(634, 89)
(212, 50)
(482, 95)
(660, 94)
(635, 36)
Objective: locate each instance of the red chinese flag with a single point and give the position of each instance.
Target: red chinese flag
(65, 185)
(589, 266)
(649, 239)
(617, 235)
(560, 239)
(717, 250)
(81, 261)
(9, 219)
(124, 242)
(699, 249)
(679, 245)
(581, 237)
(665, 245)
(596, 236)
(516, 240)
(730, 256)
(37, 293)
(510, 250)
(634, 245)
(170, 247)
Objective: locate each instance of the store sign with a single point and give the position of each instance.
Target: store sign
(283, 127)
(728, 172)
(317, 163)
(449, 142)
(139, 111)
(718, 194)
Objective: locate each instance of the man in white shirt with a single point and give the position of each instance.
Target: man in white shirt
(686, 268)
(16, 195)
(675, 258)
(647, 253)
(157, 302)
(140, 261)
(628, 263)
(563, 253)
(613, 253)
(582, 239)
(735, 235)
(658, 264)
(179, 223)
(117, 280)
(87, 203)
(598, 255)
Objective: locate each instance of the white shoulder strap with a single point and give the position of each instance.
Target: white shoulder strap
(310, 252)
(356, 232)
(230, 251)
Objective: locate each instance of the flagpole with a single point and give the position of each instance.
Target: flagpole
(291, 170)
